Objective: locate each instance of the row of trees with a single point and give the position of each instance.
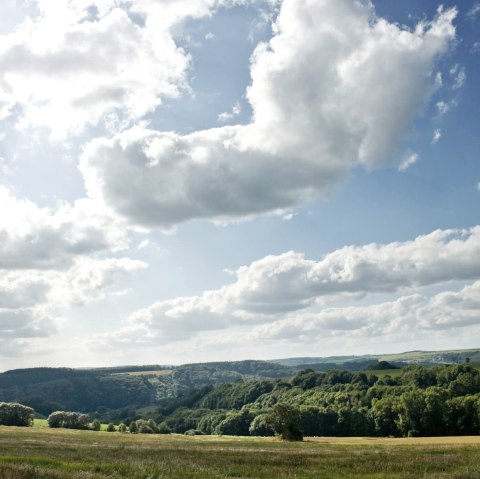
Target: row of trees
(14, 414)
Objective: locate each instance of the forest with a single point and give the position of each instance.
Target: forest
(412, 401)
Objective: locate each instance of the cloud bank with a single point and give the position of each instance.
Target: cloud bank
(287, 294)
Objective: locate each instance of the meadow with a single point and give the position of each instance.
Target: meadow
(43, 453)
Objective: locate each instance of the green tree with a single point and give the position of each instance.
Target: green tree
(384, 413)
(133, 427)
(14, 414)
(259, 426)
(283, 419)
(96, 425)
(411, 410)
(235, 424)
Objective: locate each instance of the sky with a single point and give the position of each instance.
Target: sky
(200, 180)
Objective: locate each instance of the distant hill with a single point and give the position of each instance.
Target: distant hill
(410, 357)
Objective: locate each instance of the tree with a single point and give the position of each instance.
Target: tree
(283, 419)
(411, 410)
(111, 427)
(235, 424)
(163, 428)
(259, 426)
(384, 413)
(68, 420)
(14, 414)
(133, 427)
(122, 427)
(96, 425)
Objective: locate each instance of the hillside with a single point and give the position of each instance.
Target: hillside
(120, 392)
(99, 390)
(410, 357)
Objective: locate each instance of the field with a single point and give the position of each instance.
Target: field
(42, 453)
(161, 372)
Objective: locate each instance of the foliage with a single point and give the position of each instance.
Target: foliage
(68, 420)
(14, 414)
(96, 425)
(260, 427)
(284, 420)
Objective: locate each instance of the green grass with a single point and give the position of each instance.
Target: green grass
(41, 453)
(40, 423)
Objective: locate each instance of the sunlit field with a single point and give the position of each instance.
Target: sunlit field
(31, 453)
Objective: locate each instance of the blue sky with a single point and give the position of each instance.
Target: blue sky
(196, 180)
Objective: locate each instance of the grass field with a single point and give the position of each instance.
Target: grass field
(42, 453)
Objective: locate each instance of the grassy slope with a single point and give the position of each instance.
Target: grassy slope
(46, 454)
(409, 357)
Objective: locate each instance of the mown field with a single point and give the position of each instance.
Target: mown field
(42, 453)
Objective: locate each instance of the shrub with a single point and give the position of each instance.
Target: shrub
(163, 428)
(14, 414)
(96, 425)
(68, 420)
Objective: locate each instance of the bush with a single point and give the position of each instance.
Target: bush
(68, 420)
(14, 414)
(163, 428)
(111, 427)
(96, 425)
(122, 427)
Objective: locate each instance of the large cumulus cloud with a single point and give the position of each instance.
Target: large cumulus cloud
(335, 87)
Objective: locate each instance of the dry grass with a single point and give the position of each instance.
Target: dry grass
(31, 453)
(405, 441)
(161, 372)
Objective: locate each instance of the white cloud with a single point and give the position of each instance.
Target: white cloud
(228, 115)
(81, 62)
(458, 75)
(48, 264)
(443, 107)
(24, 323)
(474, 11)
(23, 290)
(399, 318)
(279, 286)
(408, 160)
(437, 134)
(30, 300)
(34, 237)
(334, 88)
(88, 279)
